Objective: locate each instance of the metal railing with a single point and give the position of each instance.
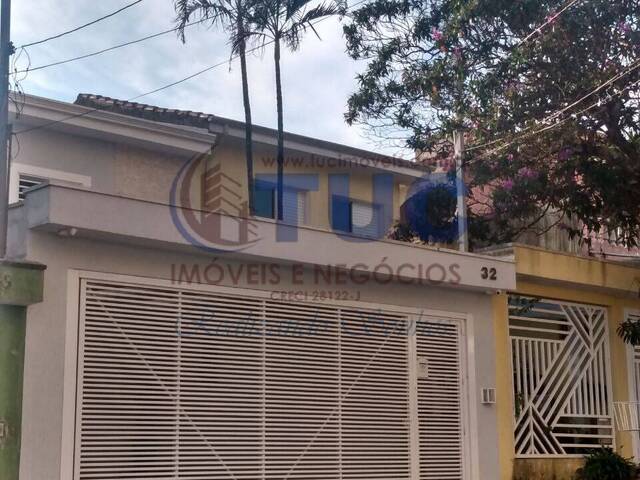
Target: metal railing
(627, 416)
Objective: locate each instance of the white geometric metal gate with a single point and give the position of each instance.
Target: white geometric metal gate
(188, 384)
(561, 377)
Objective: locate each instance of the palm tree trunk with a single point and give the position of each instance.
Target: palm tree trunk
(280, 191)
(248, 127)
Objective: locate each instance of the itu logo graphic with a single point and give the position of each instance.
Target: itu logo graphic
(209, 207)
(430, 210)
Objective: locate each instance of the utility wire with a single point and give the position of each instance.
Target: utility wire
(165, 32)
(32, 44)
(105, 50)
(555, 115)
(549, 21)
(165, 87)
(550, 127)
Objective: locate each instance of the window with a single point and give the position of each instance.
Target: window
(364, 219)
(265, 200)
(359, 218)
(24, 177)
(26, 182)
(295, 206)
(294, 203)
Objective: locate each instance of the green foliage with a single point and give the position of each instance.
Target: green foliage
(605, 464)
(289, 20)
(441, 207)
(629, 331)
(233, 16)
(473, 65)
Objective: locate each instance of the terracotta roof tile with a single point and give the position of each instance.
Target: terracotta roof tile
(145, 111)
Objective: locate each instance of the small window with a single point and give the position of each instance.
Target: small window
(294, 203)
(364, 219)
(359, 218)
(26, 182)
(265, 200)
(295, 206)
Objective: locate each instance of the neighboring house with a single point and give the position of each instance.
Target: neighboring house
(181, 338)
(566, 382)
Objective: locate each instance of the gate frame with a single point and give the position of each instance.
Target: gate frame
(632, 386)
(607, 354)
(465, 322)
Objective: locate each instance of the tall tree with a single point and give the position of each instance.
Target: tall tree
(284, 22)
(547, 92)
(234, 17)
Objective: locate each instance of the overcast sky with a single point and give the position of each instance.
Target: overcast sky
(317, 79)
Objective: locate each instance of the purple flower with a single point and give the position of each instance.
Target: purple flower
(625, 27)
(457, 52)
(565, 154)
(436, 34)
(507, 184)
(510, 157)
(526, 172)
(512, 87)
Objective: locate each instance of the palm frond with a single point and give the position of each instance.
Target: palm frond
(214, 11)
(303, 19)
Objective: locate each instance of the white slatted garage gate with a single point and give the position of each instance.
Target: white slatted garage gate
(178, 383)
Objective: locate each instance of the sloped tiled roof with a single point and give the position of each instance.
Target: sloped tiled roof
(203, 120)
(148, 112)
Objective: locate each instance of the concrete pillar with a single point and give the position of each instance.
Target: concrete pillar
(20, 286)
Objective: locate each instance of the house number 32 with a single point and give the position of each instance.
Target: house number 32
(489, 273)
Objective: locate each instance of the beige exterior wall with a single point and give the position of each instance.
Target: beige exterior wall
(113, 167)
(144, 174)
(69, 153)
(147, 174)
(230, 154)
(49, 361)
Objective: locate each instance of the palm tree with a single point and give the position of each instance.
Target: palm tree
(285, 22)
(234, 17)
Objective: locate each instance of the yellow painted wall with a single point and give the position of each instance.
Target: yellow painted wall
(231, 156)
(564, 277)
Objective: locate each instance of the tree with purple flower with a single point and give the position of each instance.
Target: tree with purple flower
(556, 114)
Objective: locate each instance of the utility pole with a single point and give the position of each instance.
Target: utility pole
(6, 50)
(463, 232)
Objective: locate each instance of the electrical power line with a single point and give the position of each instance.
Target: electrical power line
(165, 32)
(93, 22)
(105, 50)
(555, 115)
(549, 21)
(165, 87)
(600, 87)
(551, 127)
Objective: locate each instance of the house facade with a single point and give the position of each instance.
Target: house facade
(178, 338)
(567, 383)
(181, 337)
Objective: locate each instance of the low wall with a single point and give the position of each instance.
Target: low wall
(546, 468)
